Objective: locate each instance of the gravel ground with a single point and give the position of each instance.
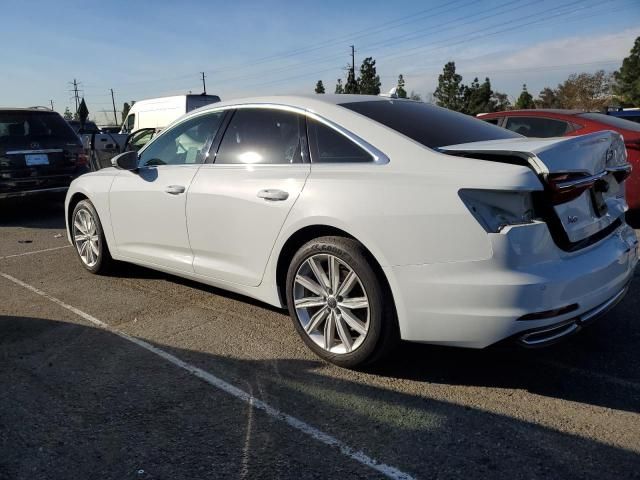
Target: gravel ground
(80, 401)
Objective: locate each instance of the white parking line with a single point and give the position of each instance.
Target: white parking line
(236, 392)
(34, 252)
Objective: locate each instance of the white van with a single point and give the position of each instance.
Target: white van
(160, 112)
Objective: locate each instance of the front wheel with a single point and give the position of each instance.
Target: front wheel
(88, 238)
(338, 304)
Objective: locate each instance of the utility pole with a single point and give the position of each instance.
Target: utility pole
(353, 60)
(113, 101)
(204, 85)
(51, 101)
(75, 93)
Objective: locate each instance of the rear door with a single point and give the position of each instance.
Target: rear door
(238, 204)
(148, 206)
(38, 150)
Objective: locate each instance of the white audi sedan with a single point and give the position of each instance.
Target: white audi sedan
(371, 219)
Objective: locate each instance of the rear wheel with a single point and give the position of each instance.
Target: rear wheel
(88, 238)
(338, 304)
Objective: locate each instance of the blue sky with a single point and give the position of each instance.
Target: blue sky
(146, 49)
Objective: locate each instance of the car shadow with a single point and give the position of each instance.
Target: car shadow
(128, 413)
(38, 211)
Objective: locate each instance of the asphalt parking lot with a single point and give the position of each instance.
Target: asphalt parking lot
(153, 393)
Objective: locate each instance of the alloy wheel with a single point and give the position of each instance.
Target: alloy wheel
(331, 303)
(86, 237)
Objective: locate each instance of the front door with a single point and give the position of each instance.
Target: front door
(238, 204)
(148, 206)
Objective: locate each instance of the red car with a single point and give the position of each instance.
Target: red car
(559, 123)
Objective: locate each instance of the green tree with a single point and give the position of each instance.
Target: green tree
(525, 100)
(351, 85)
(478, 98)
(548, 98)
(450, 91)
(400, 91)
(319, 87)
(339, 86)
(627, 85)
(369, 80)
(83, 112)
(67, 114)
(501, 102)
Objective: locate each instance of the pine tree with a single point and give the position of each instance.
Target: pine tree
(548, 98)
(478, 98)
(83, 112)
(628, 77)
(500, 102)
(67, 114)
(319, 87)
(525, 100)
(450, 91)
(351, 85)
(369, 81)
(339, 87)
(400, 91)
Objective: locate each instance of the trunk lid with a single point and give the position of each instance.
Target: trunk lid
(583, 177)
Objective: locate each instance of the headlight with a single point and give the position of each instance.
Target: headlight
(496, 209)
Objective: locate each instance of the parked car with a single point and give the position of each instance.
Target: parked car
(88, 128)
(160, 112)
(39, 152)
(544, 123)
(372, 219)
(631, 114)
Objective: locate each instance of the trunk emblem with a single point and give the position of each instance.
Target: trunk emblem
(572, 218)
(34, 145)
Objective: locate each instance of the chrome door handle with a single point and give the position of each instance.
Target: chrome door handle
(273, 194)
(174, 189)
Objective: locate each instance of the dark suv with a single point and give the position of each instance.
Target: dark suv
(39, 152)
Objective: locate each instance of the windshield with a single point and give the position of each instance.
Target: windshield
(613, 121)
(20, 127)
(427, 124)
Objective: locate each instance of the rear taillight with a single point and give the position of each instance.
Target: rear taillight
(565, 187)
(82, 159)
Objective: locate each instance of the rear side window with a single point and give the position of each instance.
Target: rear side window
(262, 136)
(537, 126)
(25, 127)
(427, 124)
(329, 146)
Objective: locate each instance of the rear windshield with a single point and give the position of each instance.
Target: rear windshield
(427, 124)
(613, 121)
(20, 127)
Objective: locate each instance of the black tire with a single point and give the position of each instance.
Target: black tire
(104, 261)
(382, 335)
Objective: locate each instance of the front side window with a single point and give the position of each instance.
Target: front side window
(537, 126)
(262, 136)
(130, 121)
(329, 146)
(186, 143)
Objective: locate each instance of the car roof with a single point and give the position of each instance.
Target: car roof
(26, 109)
(300, 101)
(556, 111)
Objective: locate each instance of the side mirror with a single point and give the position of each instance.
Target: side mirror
(126, 161)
